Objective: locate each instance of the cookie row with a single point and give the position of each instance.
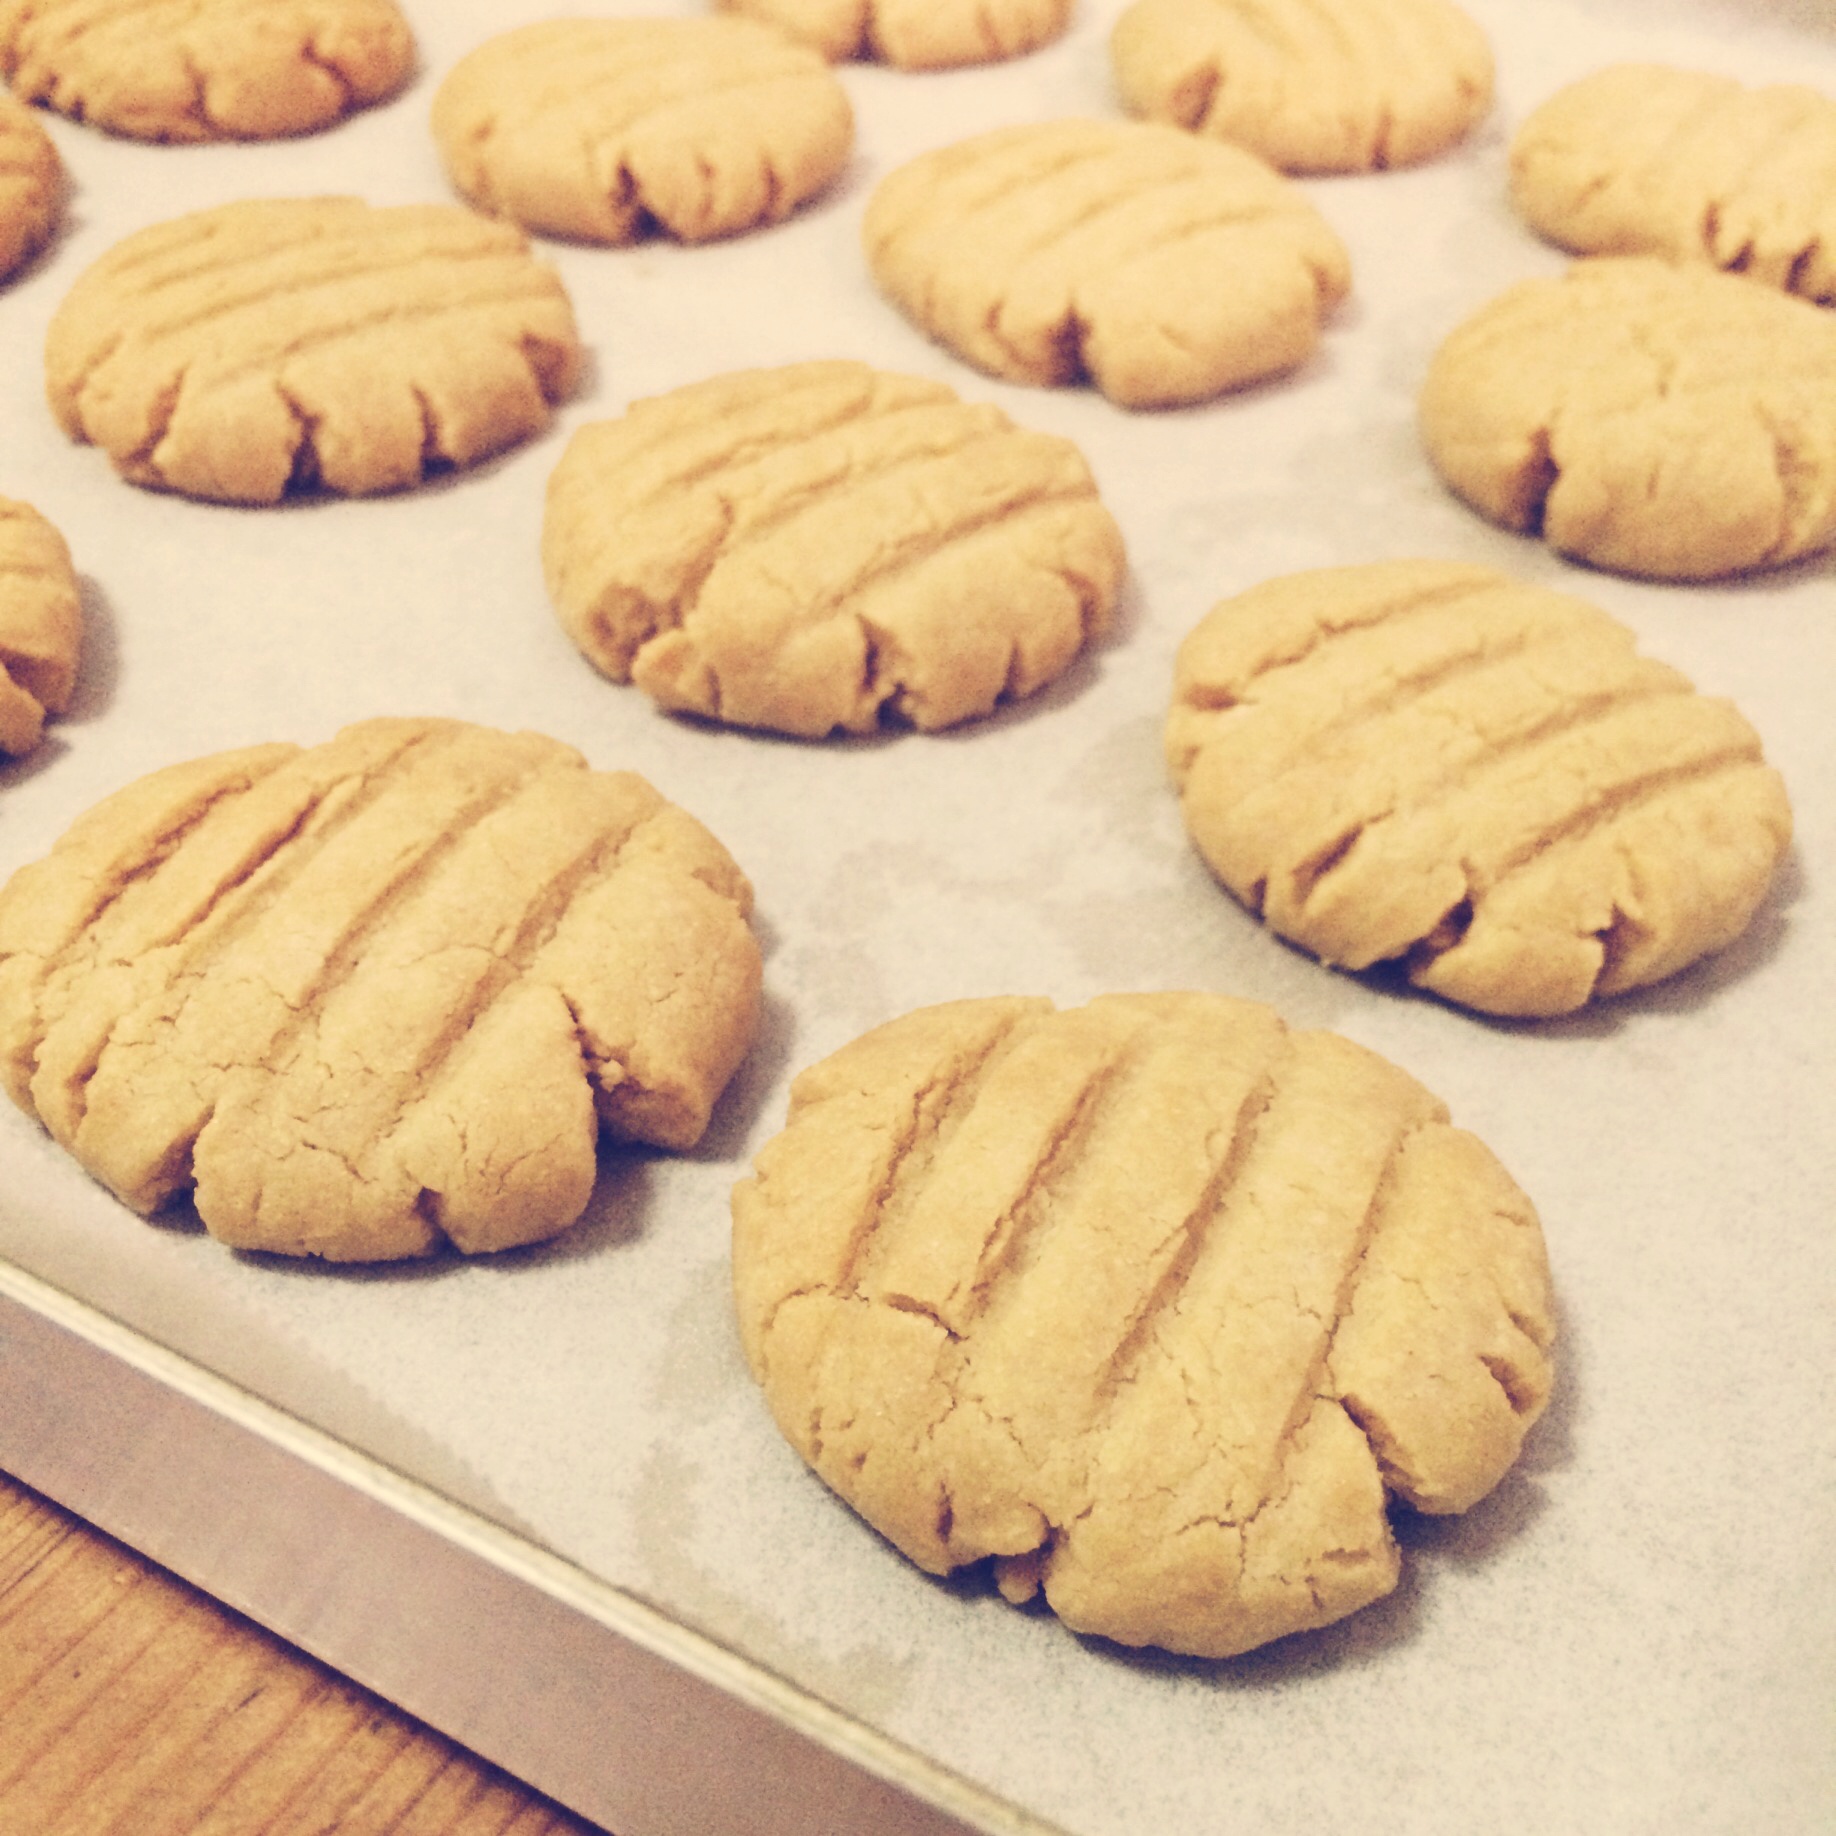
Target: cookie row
(601, 128)
(1412, 763)
(1154, 1302)
(178, 71)
(1654, 419)
(1374, 84)
(1161, 268)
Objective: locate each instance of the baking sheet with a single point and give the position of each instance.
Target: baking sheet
(603, 1703)
(1636, 1631)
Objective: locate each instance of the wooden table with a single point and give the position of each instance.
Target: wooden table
(133, 1705)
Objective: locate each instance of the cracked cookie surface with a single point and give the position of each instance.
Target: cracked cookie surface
(31, 185)
(298, 343)
(1649, 159)
(1152, 1301)
(1651, 419)
(377, 995)
(196, 70)
(1311, 85)
(1162, 268)
(1430, 764)
(603, 129)
(826, 547)
(915, 34)
(41, 625)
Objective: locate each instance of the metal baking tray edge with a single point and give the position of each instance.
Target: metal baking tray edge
(582, 1691)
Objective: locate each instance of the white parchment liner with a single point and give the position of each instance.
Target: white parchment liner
(1635, 1632)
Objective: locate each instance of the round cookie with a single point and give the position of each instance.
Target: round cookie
(603, 129)
(41, 625)
(1648, 159)
(192, 70)
(825, 547)
(1162, 268)
(287, 343)
(376, 995)
(1650, 419)
(1429, 764)
(1356, 86)
(915, 34)
(31, 185)
(1152, 1301)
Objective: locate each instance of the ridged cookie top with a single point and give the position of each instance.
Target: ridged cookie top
(605, 128)
(376, 994)
(1429, 763)
(1311, 85)
(41, 625)
(1160, 267)
(31, 185)
(1648, 159)
(1651, 419)
(915, 34)
(1151, 1300)
(297, 342)
(190, 70)
(824, 546)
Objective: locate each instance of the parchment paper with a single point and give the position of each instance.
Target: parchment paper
(1636, 1631)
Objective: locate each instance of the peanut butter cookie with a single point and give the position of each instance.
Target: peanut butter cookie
(1153, 1302)
(41, 625)
(824, 547)
(1162, 268)
(916, 34)
(1311, 85)
(1646, 159)
(31, 185)
(286, 343)
(1429, 764)
(604, 129)
(378, 995)
(190, 70)
(1651, 419)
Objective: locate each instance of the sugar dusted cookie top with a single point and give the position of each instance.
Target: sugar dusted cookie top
(31, 185)
(604, 128)
(310, 342)
(1153, 1301)
(1163, 268)
(379, 994)
(1645, 159)
(1650, 419)
(190, 70)
(915, 34)
(41, 625)
(1430, 764)
(826, 546)
(1311, 85)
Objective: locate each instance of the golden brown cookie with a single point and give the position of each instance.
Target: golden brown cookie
(915, 34)
(310, 342)
(604, 129)
(1645, 159)
(191, 70)
(1430, 764)
(41, 625)
(379, 994)
(31, 185)
(1162, 268)
(1153, 1301)
(826, 546)
(1311, 85)
(1650, 419)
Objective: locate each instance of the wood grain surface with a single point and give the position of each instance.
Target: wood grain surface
(133, 1705)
